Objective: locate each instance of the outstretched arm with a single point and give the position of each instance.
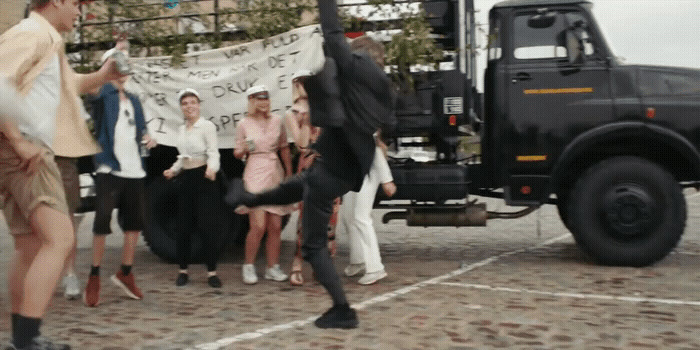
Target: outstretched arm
(335, 42)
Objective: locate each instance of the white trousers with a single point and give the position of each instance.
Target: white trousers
(355, 216)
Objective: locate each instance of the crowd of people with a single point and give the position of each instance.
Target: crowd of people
(333, 124)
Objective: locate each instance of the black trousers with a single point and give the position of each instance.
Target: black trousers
(318, 188)
(198, 209)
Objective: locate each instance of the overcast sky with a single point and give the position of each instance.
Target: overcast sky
(660, 32)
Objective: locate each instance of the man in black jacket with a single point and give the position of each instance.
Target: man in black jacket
(351, 98)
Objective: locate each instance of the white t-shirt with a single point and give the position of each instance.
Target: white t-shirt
(43, 100)
(126, 149)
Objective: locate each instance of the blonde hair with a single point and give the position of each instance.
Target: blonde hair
(298, 91)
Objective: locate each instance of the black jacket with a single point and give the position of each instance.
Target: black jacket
(351, 98)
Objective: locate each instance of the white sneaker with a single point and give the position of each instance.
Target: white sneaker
(354, 269)
(275, 273)
(372, 277)
(249, 275)
(72, 287)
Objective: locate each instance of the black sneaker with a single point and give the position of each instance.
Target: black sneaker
(214, 281)
(182, 279)
(235, 193)
(339, 316)
(41, 343)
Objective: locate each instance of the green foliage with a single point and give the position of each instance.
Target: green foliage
(156, 30)
(410, 45)
(157, 35)
(271, 17)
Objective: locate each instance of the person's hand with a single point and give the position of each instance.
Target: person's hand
(29, 154)
(169, 174)
(109, 70)
(150, 142)
(389, 188)
(210, 174)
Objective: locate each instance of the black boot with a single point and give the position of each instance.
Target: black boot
(339, 316)
(182, 279)
(237, 195)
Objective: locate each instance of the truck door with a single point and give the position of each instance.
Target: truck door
(549, 98)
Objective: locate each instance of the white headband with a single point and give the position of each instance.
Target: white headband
(187, 90)
(256, 89)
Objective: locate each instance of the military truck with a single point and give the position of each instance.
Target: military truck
(565, 123)
(561, 121)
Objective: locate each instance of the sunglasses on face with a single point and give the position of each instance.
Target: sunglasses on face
(129, 118)
(261, 96)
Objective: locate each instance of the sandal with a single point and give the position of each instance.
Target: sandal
(295, 276)
(332, 247)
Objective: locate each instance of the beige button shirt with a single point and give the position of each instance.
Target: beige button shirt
(25, 50)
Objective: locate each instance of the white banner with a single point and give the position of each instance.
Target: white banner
(221, 77)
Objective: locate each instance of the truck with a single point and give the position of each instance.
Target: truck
(561, 121)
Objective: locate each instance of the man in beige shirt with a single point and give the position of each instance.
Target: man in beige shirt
(31, 191)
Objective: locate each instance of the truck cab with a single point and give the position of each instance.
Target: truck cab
(566, 123)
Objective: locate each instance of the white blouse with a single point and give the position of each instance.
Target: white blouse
(197, 145)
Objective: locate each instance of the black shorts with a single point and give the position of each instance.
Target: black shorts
(124, 194)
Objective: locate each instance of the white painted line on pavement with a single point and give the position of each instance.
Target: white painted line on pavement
(574, 295)
(380, 298)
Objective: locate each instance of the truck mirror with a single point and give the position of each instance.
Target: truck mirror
(542, 20)
(574, 47)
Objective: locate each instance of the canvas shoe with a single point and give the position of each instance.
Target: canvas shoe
(91, 296)
(354, 269)
(275, 273)
(127, 284)
(41, 343)
(214, 281)
(71, 287)
(182, 279)
(249, 276)
(372, 277)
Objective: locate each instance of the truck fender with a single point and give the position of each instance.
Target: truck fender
(580, 147)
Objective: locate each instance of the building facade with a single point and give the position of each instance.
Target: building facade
(11, 12)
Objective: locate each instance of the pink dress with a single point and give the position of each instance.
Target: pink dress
(263, 168)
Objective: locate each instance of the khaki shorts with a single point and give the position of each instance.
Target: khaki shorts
(68, 167)
(21, 193)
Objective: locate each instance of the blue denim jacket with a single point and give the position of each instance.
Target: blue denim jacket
(105, 111)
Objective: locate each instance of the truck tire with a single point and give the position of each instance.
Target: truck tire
(161, 218)
(627, 211)
(562, 205)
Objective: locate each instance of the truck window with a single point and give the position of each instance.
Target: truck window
(494, 39)
(547, 43)
(655, 83)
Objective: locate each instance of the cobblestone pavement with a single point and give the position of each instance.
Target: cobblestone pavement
(515, 284)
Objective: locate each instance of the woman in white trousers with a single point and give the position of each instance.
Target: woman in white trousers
(355, 214)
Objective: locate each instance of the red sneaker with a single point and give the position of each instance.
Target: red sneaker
(91, 296)
(127, 283)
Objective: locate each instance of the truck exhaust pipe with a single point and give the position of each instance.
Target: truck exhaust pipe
(471, 215)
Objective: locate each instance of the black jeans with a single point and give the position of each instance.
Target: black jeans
(198, 211)
(318, 188)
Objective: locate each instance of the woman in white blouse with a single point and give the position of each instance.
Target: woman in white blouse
(198, 202)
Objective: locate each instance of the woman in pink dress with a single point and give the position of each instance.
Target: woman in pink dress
(262, 141)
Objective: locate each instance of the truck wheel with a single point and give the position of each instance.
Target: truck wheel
(627, 211)
(562, 200)
(161, 220)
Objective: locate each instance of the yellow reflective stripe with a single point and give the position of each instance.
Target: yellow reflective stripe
(559, 91)
(536, 158)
